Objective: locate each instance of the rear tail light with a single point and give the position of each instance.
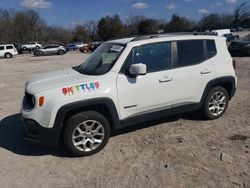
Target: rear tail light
(234, 64)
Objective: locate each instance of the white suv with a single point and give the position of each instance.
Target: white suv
(8, 50)
(125, 82)
(31, 46)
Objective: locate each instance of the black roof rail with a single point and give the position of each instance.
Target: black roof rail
(144, 37)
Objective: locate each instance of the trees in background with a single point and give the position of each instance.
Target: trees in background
(110, 27)
(178, 24)
(27, 25)
(241, 13)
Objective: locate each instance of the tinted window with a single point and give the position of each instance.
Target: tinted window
(190, 52)
(155, 56)
(211, 48)
(9, 47)
(1, 47)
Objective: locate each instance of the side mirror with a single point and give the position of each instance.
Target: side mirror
(138, 69)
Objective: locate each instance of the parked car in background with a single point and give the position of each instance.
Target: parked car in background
(225, 33)
(72, 47)
(240, 28)
(8, 50)
(221, 32)
(95, 45)
(240, 47)
(18, 48)
(31, 46)
(90, 47)
(81, 44)
(50, 50)
(230, 37)
(85, 49)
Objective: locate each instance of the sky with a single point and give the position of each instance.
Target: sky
(67, 13)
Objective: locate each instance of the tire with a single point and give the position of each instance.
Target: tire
(60, 52)
(8, 55)
(37, 47)
(39, 53)
(216, 103)
(86, 126)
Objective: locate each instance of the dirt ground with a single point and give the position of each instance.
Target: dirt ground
(180, 151)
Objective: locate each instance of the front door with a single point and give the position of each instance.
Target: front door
(150, 92)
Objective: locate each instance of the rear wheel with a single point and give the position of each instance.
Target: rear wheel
(216, 103)
(8, 55)
(86, 133)
(60, 52)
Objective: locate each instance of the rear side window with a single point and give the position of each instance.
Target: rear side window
(1, 47)
(190, 52)
(211, 48)
(9, 47)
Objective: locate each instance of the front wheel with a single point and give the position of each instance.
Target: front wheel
(86, 133)
(216, 103)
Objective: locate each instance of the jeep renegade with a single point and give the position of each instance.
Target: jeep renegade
(125, 82)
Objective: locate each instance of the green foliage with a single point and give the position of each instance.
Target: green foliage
(148, 26)
(178, 24)
(110, 27)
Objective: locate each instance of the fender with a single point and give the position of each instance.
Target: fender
(220, 81)
(77, 106)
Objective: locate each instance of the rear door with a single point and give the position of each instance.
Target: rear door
(10, 49)
(193, 69)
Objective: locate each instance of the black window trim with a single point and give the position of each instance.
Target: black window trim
(206, 48)
(205, 52)
(123, 69)
(174, 54)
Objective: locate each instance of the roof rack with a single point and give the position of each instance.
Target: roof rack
(144, 37)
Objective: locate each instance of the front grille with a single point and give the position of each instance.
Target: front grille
(28, 101)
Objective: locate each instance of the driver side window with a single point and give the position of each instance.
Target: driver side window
(156, 56)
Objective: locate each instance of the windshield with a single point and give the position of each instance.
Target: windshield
(246, 38)
(102, 60)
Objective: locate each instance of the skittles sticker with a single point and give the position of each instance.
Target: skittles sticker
(87, 87)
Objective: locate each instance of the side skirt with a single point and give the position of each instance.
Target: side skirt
(149, 116)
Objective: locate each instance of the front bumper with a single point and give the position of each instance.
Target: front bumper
(37, 134)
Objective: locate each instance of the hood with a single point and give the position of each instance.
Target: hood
(60, 78)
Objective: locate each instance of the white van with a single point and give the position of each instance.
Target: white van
(7, 50)
(221, 32)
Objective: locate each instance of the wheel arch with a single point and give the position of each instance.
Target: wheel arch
(105, 106)
(227, 82)
(8, 53)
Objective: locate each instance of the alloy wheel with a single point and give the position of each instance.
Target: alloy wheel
(217, 103)
(88, 135)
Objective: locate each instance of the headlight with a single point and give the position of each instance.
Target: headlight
(28, 102)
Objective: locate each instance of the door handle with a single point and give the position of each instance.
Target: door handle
(206, 72)
(166, 79)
